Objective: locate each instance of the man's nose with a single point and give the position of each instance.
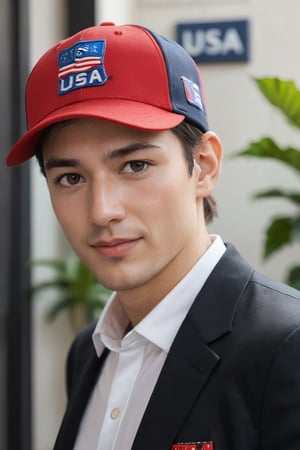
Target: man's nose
(106, 202)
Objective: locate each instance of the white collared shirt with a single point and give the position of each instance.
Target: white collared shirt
(131, 369)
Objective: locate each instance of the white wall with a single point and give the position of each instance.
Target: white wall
(237, 112)
(50, 341)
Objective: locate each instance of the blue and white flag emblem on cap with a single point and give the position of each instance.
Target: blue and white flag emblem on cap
(81, 65)
(192, 93)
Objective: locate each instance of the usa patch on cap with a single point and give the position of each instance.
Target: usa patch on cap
(192, 93)
(81, 65)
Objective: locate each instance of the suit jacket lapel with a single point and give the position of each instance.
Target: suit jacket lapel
(169, 403)
(191, 360)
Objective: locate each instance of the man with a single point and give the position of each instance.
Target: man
(194, 349)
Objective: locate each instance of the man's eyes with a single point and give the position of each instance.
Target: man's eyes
(135, 166)
(69, 179)
(72, 179)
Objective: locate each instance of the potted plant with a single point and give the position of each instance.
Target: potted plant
(283, 229)
(79, 292)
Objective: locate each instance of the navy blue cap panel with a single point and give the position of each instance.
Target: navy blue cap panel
(186, 92)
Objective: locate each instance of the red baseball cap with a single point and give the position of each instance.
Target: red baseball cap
(124, 74)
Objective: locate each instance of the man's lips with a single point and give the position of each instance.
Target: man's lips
(115, 247)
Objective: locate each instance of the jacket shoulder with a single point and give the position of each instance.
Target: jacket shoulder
(276, 287)
(278, 300)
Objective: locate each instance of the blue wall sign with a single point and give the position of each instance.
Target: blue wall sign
(215, 41)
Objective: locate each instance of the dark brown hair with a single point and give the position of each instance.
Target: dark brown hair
(190, 136)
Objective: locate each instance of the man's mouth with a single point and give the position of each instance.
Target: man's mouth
(115, 247)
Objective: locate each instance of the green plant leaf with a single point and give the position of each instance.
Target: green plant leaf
(292, 196)
(283, 94)
(96, 303)
(79, 291)
(267, 148)
(295, 234)
(278, 234)
(56, 284)
(97, 292)
(282, 231)
(56, 264)
(293, 278)
(57, 308)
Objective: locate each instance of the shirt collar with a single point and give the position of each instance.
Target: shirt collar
(162, 323)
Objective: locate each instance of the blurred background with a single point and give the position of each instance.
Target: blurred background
(33, 350)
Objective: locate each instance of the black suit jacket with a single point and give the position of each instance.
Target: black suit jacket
(232, 375)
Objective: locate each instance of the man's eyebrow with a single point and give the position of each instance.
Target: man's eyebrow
(60, 162)
(114, 154)
(129, 149)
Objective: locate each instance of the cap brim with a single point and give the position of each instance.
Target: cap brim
(124, 112)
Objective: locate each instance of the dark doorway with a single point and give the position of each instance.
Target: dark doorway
(79, 17)
(15, 382)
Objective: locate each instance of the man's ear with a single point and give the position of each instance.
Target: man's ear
(207, 163)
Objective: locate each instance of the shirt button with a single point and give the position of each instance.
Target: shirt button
(115, 412)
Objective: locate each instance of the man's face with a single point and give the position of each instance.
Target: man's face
(127, 204)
